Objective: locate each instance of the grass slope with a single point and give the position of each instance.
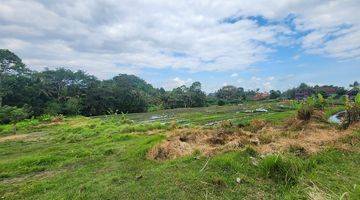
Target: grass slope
(101, 158)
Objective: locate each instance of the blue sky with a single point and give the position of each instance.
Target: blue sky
(261, 44)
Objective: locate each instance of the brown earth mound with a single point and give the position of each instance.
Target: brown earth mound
(183, 142)
(308, 137)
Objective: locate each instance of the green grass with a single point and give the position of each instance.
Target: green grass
(102, 158)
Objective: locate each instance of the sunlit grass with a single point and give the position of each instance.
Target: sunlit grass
(104, 158)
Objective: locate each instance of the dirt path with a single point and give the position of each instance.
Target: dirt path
(21, 137)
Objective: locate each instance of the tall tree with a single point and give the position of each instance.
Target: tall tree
(355, 85)
(274, 94)
(10, 64)
(197, 97)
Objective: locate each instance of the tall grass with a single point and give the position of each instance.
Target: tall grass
(282, 169)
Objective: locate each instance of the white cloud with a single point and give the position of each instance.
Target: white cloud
(134, 34)
(177, 82)
(262, 83)
(270, 78)
(296, 57)
(109, 37)
(334, 28)
(234, 75)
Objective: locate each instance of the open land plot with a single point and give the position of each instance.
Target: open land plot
(218, 152)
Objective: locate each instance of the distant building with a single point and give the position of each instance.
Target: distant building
(301, 94)
(352, 93)
(261, 96)
(328, 90)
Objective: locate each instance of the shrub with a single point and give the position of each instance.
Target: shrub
(320, 102)
(53, 108)
(45, 118)
(282, 169)
(153, 108)
(352, 111)
(221, 102)
(124, 119)
(357, 99)
(310, 101)
(13, 115)
(295, 104)
(5, 114)
(72, 106)
(305, 112)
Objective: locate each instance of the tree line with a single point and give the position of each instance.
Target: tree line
(24, 92)
(62, 91)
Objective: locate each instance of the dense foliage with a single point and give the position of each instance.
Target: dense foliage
(62, 91)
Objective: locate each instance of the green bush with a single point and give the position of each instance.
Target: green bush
(310, 101)
(45, 118)
(221, 102)
(9, 114)
(295, 104)
(282, 169)
(5, 114)
(13, 115)
(72, 106)
(352, 111)
(357, 99)
(320, 102)
(153, 108)
(52, 108)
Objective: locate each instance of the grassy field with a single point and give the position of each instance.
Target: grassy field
(106, 158)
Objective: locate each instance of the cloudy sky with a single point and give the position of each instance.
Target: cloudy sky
(266, 44)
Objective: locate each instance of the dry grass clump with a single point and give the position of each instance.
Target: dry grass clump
(256, 125)
(57, 119)
(296, 136)
(298, 150)
(184, 142)
(170, 150)
(294, 124)
(319, 115)
(226, 124)
(266, 138)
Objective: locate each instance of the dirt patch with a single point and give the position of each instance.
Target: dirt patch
(310, 138)
(34, 176)
(13, 137)
(21, 137)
